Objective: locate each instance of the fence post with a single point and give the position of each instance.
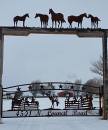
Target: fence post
(1, 70)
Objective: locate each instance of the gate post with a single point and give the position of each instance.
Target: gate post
(105, 77)
(1, 70)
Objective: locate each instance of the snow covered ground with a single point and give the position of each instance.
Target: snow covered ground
(54, 123)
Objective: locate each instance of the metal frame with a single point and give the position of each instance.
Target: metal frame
(96, 33)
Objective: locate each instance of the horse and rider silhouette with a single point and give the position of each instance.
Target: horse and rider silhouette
(53, 99)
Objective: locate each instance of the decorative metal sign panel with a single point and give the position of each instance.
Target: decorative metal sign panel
(50, 99)
(49, 113)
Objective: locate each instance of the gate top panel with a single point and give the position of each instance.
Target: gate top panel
(84, 32)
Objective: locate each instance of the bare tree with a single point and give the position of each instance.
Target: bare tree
(92, 85)
(97, 67)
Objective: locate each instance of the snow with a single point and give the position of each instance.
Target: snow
(54, 123)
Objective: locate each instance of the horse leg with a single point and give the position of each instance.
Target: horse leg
(58, 23)
(55, 24)
(97, 24)
(92, 25)
(70, 24)
(44, 24)
(41, 24)
(78, 24)
(23, 23)
(57, 103)
(52, 23)
(14, 23)
(53, 105)
(61, 24)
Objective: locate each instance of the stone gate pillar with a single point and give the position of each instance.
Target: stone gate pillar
(1, 70)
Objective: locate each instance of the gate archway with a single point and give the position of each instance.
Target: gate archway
(99, 33)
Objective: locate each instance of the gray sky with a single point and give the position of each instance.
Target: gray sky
(50, 57)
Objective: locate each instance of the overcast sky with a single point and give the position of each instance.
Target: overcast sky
(50, 57)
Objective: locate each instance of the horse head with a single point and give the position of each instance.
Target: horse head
(89, 16)
(36, 15)
(51, 11)
(85, 15)
(27, 15)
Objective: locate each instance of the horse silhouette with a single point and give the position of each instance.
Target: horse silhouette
(77, 19)
(94, 21)
(43, 19)
(56, 17)
(53, 100)
(20, 18)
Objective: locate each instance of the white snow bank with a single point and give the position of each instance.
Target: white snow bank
(54, 123)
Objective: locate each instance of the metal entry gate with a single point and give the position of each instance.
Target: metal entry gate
(42, 99)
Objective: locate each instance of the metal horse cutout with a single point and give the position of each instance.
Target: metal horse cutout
(53, 99)
(94, 21)
(20, 18)
(56, 17)
(43, 19)
(77, 19)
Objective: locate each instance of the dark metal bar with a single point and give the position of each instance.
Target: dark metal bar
(105, 76)
(48, 83)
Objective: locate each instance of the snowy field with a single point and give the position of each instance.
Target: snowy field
(54, 123)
